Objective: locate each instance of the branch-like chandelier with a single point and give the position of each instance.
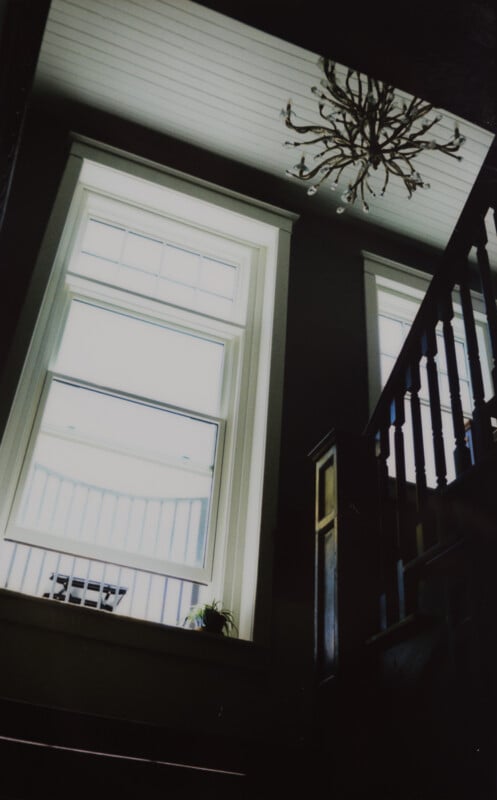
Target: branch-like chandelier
(365, 126)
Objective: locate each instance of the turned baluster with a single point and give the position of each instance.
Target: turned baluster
(462, 455)
(488, 295)
(424, 532)
(481, 426)
(429, 349)
(398, 419)
(389, 605)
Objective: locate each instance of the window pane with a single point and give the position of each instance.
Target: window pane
(466, 403)
(391, 335)
(141, 357)
(104, 240)
(441, 360)
(386, 365)
(97, 268)
(137, 280)
(142, 252)
(121, 474)
(462, 364)
(424, 392)
(217, 278)
(181, 266)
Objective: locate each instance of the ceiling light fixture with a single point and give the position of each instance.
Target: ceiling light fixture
(365, 126)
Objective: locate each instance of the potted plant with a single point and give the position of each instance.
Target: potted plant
(213, 618)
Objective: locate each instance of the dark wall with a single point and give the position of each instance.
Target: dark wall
(325, 386)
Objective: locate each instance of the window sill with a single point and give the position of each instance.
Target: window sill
(180, 643)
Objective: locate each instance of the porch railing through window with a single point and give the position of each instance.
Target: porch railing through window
(407, 438)
(58, 576)
(166, 528)
(169, 528)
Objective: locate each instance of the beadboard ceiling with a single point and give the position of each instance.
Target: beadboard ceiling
(200, 76)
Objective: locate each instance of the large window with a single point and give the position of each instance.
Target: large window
(393, 296)
(135, 453)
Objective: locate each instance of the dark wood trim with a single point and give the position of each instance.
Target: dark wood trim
(22, 23)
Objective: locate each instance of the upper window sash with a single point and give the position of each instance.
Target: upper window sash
(217, 272)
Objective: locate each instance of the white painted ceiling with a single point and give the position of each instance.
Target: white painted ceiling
(194, 74)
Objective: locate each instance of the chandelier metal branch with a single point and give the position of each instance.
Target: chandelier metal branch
(365, 126)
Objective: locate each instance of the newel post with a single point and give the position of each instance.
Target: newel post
(346, 586)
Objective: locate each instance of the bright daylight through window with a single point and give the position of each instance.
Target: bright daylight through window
(147, 391)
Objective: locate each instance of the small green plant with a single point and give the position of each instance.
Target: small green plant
(213, 618)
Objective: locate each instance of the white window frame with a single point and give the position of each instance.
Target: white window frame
(246, 507)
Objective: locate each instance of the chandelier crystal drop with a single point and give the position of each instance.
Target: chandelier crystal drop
(366, 127)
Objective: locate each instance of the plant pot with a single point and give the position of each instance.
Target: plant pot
(214, 622)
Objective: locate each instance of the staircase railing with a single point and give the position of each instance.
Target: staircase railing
(411, 514)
